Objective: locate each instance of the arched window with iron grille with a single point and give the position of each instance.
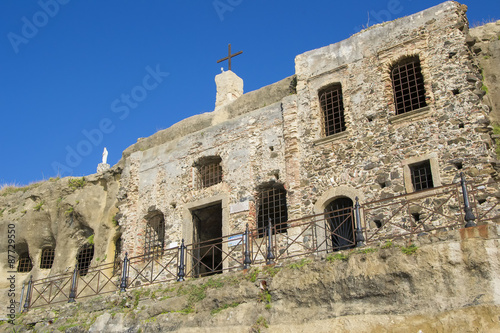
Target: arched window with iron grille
(154, 240)
(47, 258)
(271, 204)
(408, 85)
(84, 258)
(25, 265)
(340, 223)
(332, 109)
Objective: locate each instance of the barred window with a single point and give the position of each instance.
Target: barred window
(47, 258)
(84, 258)
(154, 241)
(421, 175)
(332, 108)
(272, 205)
(408, 85)
(209, 171)
(25, 265)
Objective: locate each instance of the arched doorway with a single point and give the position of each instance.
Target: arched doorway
(340, 224)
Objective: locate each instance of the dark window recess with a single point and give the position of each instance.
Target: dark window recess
(332, 108)
(408, 85)
(84, 258)
(155, 236)
(421, 176)
(272, 205)
(25, 265)
(47, 259)
(118, 251)
(340, 223)
(209, 172)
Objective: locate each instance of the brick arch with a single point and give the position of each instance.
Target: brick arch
(335, 193)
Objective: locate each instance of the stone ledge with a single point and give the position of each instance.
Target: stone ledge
(411, 115)
(330, 138)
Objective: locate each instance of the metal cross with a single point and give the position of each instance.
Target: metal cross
(229, 56)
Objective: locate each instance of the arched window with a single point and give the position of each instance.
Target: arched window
(209, 171)
(84, 258)
(340, 223)
(271, 204)
(408, 85)
(47, 258)
(154, 241)
(332, 109)
(25, 265)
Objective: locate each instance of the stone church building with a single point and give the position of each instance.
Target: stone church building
(395, 110)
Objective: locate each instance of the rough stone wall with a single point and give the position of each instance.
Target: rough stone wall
(487, 54)
(54, 214)
(368, 160)
(163, 178)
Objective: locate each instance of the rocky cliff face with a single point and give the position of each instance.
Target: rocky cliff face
(61, 214)
(487, 51)
(444, 283)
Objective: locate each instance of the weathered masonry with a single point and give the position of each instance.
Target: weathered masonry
(392, 110)
(384, 122)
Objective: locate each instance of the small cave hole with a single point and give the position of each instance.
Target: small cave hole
(271, 148)
(451, 55)
(481, 201)
(277, 175)
(455, 91)
(461, 125)
(378, 223)
(416, 216)
(382, 184)
(458, 165)
(370, 118)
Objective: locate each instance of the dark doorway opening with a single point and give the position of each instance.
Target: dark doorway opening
(207, 236)
(340, 223)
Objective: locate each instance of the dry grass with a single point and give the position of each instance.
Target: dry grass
(476, 24)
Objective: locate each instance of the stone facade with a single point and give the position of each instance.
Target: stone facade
(275, 138)
(284, 142)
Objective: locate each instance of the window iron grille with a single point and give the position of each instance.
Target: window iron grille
(421, 175)
(209, 174)
(408, 85)
(154, 241)
(340, 223)
(25, 265)
(332, 108)
(84, 258)
(272, 205)
(47, 258)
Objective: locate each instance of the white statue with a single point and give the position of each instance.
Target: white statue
(104, 156)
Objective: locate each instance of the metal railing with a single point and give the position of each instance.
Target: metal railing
(451, 206)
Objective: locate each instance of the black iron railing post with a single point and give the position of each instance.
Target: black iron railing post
(469, 216)
(28, 295)
(72, 291)
(123, 284)
(181, 273)
(247, 261)
(360, 239)
(270, 254)
(21, 300)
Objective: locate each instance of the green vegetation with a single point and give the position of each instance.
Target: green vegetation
(11, 189)
(496, 130)
(39, 206)
(90, 239)
(252, 274)
(484, 88)
(114, 221)
(223, 307)
(337, 256)
(300, 264)
(265, 297)
(271, 270)
(53, 179)
(408, 250)
(387, 245)
(196, 293)
(1, 212)
(69, 211)
(261, 322)
(76, 183)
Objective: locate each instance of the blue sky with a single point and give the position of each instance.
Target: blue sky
(78, 76)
